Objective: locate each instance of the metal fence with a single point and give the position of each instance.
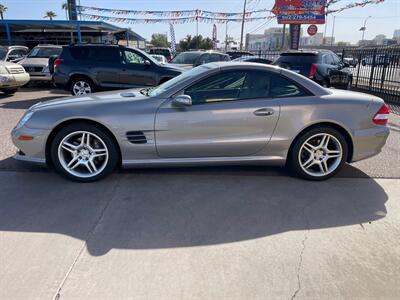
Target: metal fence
(375, 70)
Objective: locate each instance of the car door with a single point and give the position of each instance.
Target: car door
(100, 62)
(136, 70)
(335, 72)
(231, 115)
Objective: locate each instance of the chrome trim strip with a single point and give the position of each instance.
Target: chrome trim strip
(268, 160)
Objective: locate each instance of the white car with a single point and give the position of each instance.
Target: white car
(160, 58)
(12, 76)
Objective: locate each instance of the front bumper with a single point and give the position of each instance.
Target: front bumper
(13, 80)
(33, 150)
(369, 142)
(40, 76)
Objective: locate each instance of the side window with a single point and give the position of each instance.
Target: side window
(215, 57)
(14, 54)
(327, 59)
(256, 85)
(220, 87)
(282, 87)
(335, 59)
(203, 59)
(131, 57)
(105, 54)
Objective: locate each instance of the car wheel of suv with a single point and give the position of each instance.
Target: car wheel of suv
(83, 152)
(81, 86)
(318, 154)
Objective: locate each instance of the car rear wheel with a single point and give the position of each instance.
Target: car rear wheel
(81, 86)
(83, 152)
(318, 154)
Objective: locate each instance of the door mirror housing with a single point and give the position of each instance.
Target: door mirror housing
(147, 63)
(182, 101)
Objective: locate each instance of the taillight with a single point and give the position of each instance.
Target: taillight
(382, 115)
(313, 69)
(58, 62)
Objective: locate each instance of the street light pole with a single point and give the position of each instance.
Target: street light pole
(364, 27)
(226, 36)
(243, 18)
(333, 29)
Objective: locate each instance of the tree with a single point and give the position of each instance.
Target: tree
(159, 40)
(64, 6)
(50, 15)
(196, 42)
(2, 10)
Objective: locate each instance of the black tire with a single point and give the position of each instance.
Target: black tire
(113, 150)
(294, 155)
(83, 79)
(9, 91)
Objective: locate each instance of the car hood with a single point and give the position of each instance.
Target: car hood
(173, 67)
(34, 61)
(184, 67)
(92, 99)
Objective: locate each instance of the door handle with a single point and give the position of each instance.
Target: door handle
(263, 112)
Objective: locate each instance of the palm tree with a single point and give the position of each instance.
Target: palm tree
(2, 10)
(50, 15)
(65, 7)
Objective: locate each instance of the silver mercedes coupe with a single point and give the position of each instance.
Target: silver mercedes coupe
(214, 114)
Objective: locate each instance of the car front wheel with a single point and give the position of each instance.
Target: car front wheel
(83, 152)
(318, 154)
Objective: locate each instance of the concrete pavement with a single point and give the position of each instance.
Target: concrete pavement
(182, 236)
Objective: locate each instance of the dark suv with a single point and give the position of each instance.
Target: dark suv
(322, 66)
(86, 68)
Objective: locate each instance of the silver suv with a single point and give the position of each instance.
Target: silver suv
(37, 62)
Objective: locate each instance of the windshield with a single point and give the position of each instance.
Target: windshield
(186, 58)
(44, 52)
(3, 53)
(177, 80)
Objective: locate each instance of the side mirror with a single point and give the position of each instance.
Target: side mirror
(182, 101)
(147, 63)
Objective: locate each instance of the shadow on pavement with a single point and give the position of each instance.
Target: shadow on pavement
(152, 209)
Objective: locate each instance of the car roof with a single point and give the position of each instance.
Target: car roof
(307, 51)
(48, 46)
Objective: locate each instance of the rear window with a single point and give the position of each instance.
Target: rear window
(99, 54)
(186, 58)
(297, 58)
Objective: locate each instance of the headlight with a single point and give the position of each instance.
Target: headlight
(24, 119)
(3, 70)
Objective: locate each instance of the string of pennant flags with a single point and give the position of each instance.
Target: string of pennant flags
(171, 14)
(182, 20)
(196, 15)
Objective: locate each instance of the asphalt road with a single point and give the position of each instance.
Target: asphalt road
(197, 233)
(384, 165)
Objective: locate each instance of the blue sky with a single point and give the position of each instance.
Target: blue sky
(385, 16)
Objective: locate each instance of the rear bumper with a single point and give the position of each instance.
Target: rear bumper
(369, 142)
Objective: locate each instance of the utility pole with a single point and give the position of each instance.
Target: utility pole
(243, 18)
(283, 36)
(226, 36)
(333, 29)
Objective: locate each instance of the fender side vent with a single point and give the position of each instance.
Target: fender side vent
(136, 137)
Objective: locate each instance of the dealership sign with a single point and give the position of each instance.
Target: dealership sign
(300, 11)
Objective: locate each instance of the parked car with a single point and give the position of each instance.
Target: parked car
(13, 53)
(348, 59)
(160, 58)
(190, 59)
(12, 76)
(255, 59)
(166, 52)
(236, 54)
(87, 68)
(36, 63)
(380, 60)
(322, 66)
(215, 114)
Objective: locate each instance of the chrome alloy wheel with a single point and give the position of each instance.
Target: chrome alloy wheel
(81, 88)
(320, 154)
(83, 154)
